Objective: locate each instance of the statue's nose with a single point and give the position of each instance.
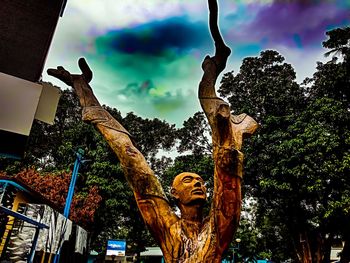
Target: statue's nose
(198, 184)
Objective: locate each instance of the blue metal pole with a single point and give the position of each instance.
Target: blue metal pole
(35, 241)
(72, 185)
(70, 193)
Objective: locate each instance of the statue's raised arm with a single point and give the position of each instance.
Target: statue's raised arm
(138, 173)
(148, 192)
(228, 132)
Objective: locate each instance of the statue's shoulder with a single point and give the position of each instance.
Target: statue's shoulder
(245, 123)
(157, 211)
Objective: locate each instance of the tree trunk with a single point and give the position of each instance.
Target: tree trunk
(311, 247)
(327, 248)
(303, 249)
(318, 249)
(345, 254)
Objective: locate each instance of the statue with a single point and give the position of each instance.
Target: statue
(188, 238)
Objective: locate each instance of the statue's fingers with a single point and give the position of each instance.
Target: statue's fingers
(52, 72)
(56, 72)
(62, 75)
(85, 69)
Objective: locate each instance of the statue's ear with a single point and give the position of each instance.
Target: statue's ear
(174, 193)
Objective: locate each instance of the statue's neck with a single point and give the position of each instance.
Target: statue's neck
(192, 213)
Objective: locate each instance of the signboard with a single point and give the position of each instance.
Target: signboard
(116, 248)
(48, 103)
(20, 102)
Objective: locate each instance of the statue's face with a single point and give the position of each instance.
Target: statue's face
(189, 188)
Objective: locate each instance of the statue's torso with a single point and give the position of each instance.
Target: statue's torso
(188, 242)
(181, 241)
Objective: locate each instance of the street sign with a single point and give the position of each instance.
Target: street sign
(116, 248)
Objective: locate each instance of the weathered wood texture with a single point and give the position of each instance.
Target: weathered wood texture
(188, 238)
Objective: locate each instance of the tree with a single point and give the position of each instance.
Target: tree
(264, 86)
(297, 162)
(54, 187)
(150, 135)
(195, 135)
(338, 42)
(332, 80)
(309, 176)
(195, 145)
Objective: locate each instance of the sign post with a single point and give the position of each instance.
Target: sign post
(115, 249)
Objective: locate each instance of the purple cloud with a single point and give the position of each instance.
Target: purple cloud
(298, 23)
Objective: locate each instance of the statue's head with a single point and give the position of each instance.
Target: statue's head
(188, 188)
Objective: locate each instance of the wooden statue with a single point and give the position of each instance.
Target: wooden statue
(188, 238)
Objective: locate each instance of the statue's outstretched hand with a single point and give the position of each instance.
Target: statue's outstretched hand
(64, 75)
(79, 82)
(61, 74)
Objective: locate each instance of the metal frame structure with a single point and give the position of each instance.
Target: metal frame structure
(38, 226)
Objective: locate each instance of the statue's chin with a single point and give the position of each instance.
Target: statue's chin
(198, 201)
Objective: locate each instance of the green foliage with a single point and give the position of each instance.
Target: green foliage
(264, 86)
(194, 140)
(52, 148)
(297, 164)
(150, 135)
(338, 42)
(195, 135)
(331, 80)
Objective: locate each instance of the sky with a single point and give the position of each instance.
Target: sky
(146, 55)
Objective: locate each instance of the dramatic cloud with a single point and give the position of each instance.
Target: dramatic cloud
(156, 38)
(146, 54)
(147, 85)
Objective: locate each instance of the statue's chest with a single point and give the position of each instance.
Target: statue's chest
(191, 243)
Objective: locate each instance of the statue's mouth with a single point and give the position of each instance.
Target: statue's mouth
(197, 191)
